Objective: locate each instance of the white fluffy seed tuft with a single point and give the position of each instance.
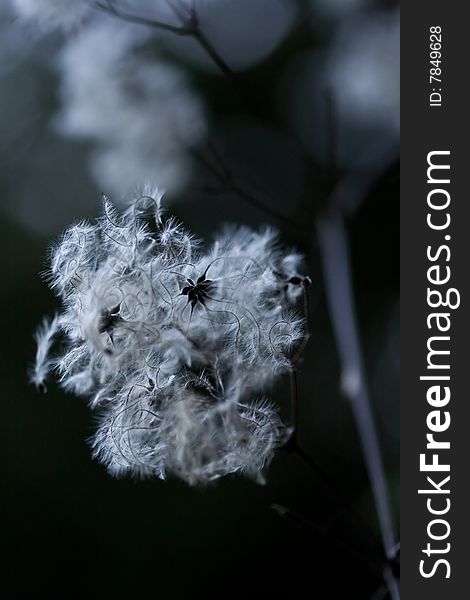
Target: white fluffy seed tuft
(173, 342)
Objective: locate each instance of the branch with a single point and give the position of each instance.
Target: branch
(190, 29)
(109, 8)
(303, 522)
(226, 179)
(337, 272)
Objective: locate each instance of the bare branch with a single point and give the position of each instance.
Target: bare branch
(111, 9)
(337, 273)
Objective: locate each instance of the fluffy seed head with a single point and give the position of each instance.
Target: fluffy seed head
(175, 343)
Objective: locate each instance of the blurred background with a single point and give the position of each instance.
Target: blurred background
(254, 120)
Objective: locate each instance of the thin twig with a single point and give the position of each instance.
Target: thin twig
(335, 258)
(214, 55)
(306, 283)
(111, 9)
(381, 593)
(190, 29)
(345, 198)
(294, 447)
(226, 178)
(294, 392)
(392, 583)
(336, 267)
(301, 521)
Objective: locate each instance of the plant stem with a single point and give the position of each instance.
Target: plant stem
(303, 522)
(227, 180)
(109, 7)
(337, 273)
(297, 449)
(192, 28)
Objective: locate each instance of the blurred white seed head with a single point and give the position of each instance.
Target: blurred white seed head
(364, 69)
(175, 343)
(140, 112)
(53, 14)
